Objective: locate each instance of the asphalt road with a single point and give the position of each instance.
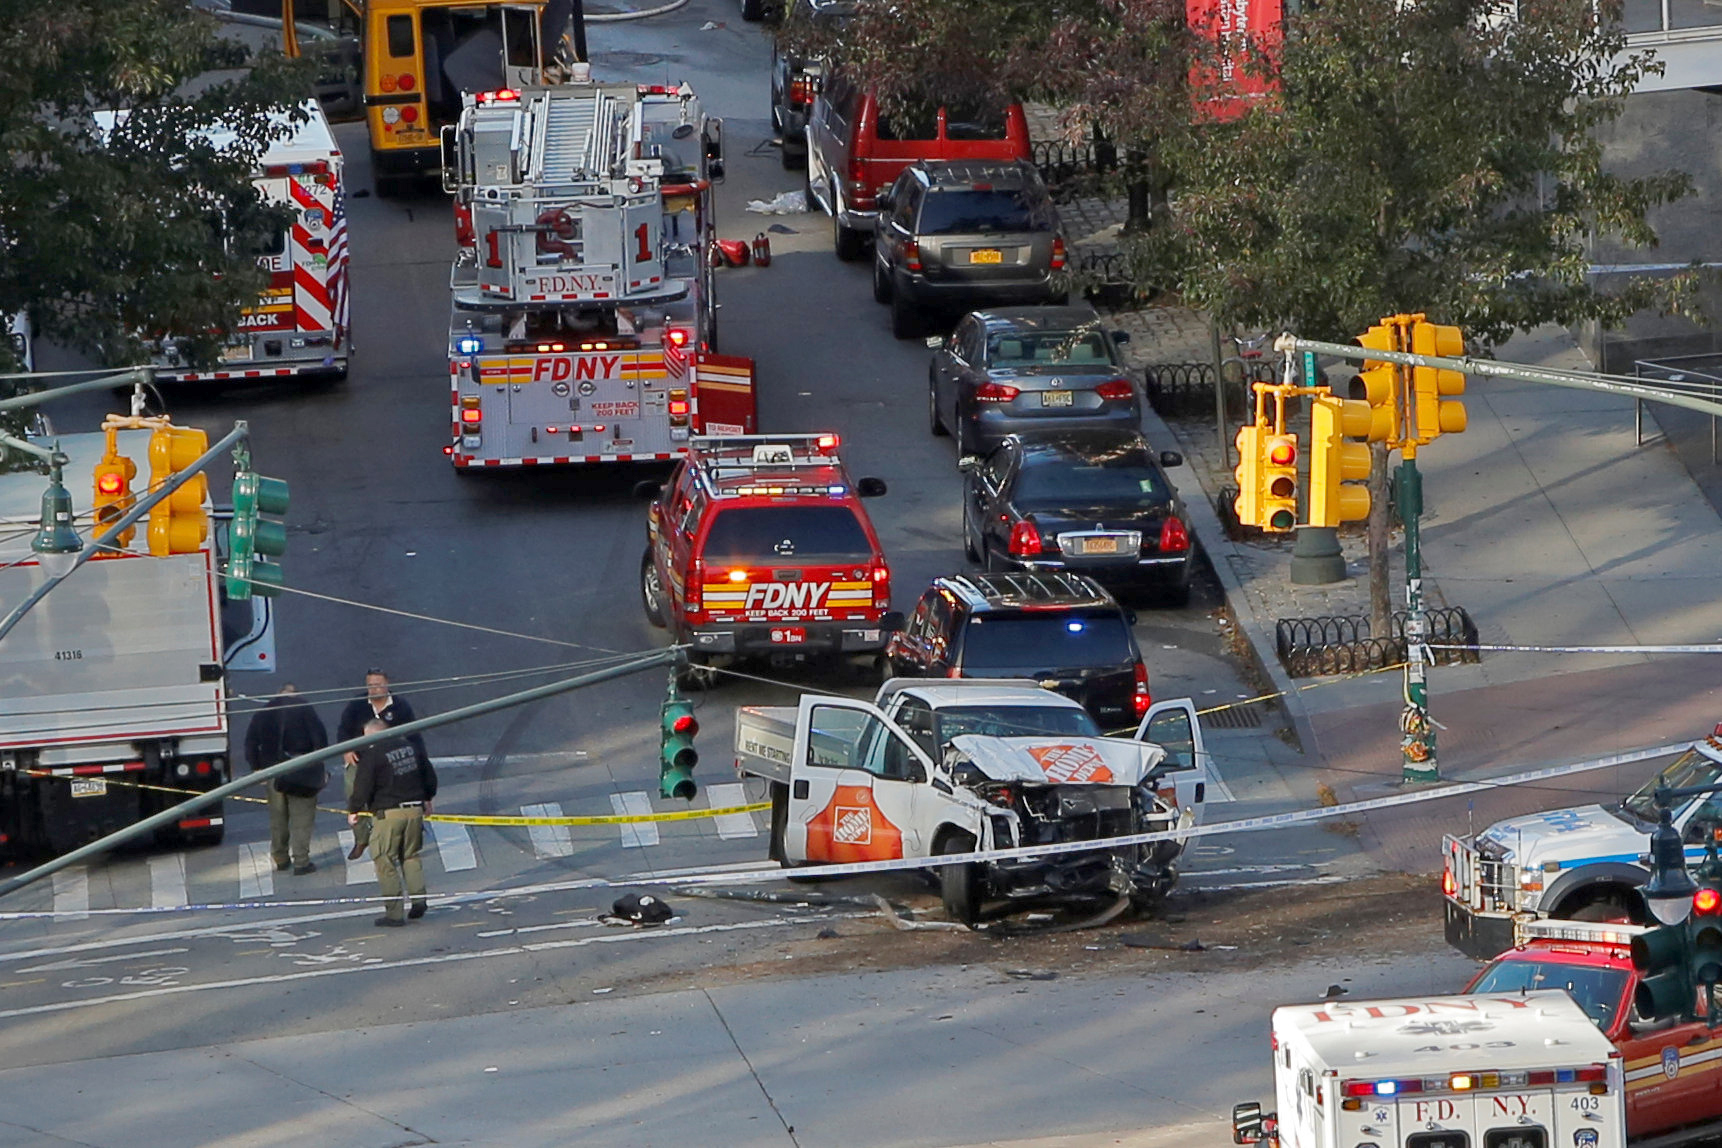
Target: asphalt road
(452, 583)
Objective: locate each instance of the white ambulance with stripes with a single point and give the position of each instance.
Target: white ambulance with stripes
(1503, 1070)
(300, 326)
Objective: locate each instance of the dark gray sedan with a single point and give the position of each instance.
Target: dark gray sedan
(1026, 369)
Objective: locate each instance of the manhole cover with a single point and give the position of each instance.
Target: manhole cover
(627, 59)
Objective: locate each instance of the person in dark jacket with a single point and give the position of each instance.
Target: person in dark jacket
(289, 727)
(379, 704)
(395, 785)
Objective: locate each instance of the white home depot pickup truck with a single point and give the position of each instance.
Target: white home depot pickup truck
(931, 768)
(1585, 863)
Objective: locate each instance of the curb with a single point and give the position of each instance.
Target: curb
(618, 17)
(1206, 526)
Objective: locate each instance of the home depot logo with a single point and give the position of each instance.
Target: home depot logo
(1071, 763)
(853, 825)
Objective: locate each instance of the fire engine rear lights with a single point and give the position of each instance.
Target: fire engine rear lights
(737, 575)
(677, 337)
(471, 415)
(203, 768)
(827, 442)
(469, 345)
(548, 348)
(500, 96)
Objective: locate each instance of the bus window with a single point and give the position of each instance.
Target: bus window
(400, 30)
(519, 30)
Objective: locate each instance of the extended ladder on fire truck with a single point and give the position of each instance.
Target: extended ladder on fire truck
(583, 327)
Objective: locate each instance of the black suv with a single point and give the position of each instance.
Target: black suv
(960, 234)
(1062, 630)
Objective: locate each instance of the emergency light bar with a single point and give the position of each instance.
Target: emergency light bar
(1474, 1081)
(1596, 932)
(500, 96)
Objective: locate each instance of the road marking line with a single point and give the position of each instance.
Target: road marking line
(616, 937)
(548, 840)
(21, 984)
(360, 872)
(167, 882)
(79, 963)
(731, 825)
(256, 871)
(72, 893)
(727, 867)
(454, 846)
(528, 929)
(633, 804)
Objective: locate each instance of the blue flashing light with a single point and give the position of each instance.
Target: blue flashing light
(1565, 1075)
(469, 344)
(836, 491)
(1386, 1087)
(1075, 627)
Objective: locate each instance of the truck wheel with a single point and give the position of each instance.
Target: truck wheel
(960, 885)
(779, 823)
(651, 590)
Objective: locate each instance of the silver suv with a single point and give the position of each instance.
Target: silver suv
(952, 236)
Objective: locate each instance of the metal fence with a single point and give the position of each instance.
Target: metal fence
(1344, 644)
(1186, 390)
(1063, 164)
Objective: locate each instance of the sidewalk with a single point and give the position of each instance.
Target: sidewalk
(1546, 522)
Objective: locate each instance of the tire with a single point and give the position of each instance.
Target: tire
(847, 242)
(960, 885)
(651, 590)
(934, 422)
(881, 284)
(966, 443)
(779, 823)
(791, 160)
(753, 11)
(905, 320)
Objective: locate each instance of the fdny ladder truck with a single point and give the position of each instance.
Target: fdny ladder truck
(583, 327)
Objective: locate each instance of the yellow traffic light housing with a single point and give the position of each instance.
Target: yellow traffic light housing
(1334, 464)
(113, 495)
(178, 524)
(1279, 482)
(1248, 504)
(1378, 384)
(1435, 415)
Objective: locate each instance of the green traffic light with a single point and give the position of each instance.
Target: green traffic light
(251, 538)
(1665, 980)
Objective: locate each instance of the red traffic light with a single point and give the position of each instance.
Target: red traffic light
(1282, 451)
(110, 482)
(685, 724)
(1706, 902)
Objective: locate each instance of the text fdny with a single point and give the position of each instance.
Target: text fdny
(559, 368)
(786, 595)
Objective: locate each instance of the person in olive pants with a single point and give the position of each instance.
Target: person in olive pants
(377, 704)
(395, 786)
(289, 727)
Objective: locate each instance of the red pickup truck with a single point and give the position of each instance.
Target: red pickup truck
(1673, 1069)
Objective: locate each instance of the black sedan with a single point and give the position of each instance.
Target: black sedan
(1028, 369)
(1092, 502)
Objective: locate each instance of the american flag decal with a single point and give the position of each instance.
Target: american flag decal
(339, 296)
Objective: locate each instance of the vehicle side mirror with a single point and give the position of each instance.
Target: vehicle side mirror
(1171, 458)
(934, 342)
(647, 489)
(1121, 336)
(870, 487)
(969, 462)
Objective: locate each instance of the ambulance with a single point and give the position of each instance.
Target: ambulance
(1506, 1070)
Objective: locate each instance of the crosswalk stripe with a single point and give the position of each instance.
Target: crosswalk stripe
(360, 872)
(167, 881)
(256, 872)
(634, 804)
(72, 892)
(548, 840)
(731, 825)
(454, 846)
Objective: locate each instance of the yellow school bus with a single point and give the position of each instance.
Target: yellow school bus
(421, 55)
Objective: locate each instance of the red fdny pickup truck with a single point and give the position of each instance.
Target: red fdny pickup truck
(759, 546)
(1673, 1069)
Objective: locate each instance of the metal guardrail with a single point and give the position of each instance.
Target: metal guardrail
(1186, 390)
(1061, 162)
(1343, 643)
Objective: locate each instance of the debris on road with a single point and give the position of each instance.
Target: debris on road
(787, 203)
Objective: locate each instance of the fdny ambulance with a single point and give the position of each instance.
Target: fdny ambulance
(300, 325)
(584, 326)
(1502, 1070)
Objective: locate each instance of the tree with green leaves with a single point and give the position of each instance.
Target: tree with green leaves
(115, 231)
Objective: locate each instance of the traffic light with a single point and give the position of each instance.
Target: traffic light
(1435, 415)
(253, 539)
(1378, 384)
(1248, 504)
(1664, 974)
(677, 756)
(1279, 482)
(114, 497)
(1704, 933)
(178, 524)
(1335, 463)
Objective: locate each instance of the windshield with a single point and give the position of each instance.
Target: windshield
(759, 535)
(1125, 481)
(1598, 991)
(1690, 768)
(1027, 643)
(1014, 721)
(967, 211)
(1020, 348)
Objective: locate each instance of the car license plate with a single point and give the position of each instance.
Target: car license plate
(788, 635)
(89, 787)
(1057, 398)
(986, 255)
(1097, 546)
